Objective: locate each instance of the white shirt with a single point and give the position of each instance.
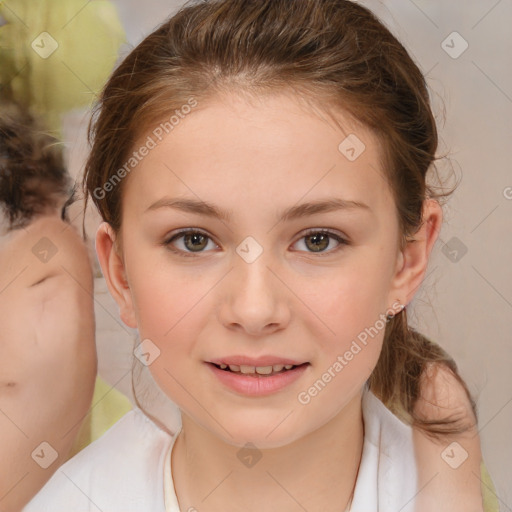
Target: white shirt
(128, 469)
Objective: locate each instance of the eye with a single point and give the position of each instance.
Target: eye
(317, 240)
(194, 241)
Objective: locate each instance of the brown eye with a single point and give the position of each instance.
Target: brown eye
(195, 241)
(317, 241)
(192, 241)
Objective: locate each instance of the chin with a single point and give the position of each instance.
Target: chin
(263, 434)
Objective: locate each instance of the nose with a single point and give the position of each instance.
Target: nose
(255, 299)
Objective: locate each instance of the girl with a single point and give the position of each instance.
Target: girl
(261, 169)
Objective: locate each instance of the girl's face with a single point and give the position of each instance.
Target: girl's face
(257, 184)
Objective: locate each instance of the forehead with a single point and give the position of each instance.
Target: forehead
(236, 152)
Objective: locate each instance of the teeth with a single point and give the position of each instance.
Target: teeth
(264, 370)
(260, 370)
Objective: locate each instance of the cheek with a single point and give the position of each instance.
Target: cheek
(351, 299)
(162, 306)
(158, 291)
(171, 309)
(353, 347)
(166, 307)
(350, 308)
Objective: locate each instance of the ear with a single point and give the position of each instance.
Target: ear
(413, 258)
(112, 266)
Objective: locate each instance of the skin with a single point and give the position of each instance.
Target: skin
(256, 158)
(446, 487)
(48, 353)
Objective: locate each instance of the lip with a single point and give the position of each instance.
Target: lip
(268, 360)
(257, 385)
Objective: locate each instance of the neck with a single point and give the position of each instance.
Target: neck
(316, 473)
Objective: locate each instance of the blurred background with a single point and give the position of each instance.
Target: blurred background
(465, 302)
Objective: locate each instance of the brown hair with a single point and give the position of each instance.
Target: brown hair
(33, 177)
(333, 52)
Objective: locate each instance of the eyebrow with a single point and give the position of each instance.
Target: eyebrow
(291, 213)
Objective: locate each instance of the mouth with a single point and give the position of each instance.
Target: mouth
(257, 378)
(258, 371)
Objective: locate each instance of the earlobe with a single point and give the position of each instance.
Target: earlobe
(113, 270)
(413, 259)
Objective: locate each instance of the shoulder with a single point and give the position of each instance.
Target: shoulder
(444, 397)
(122, 471)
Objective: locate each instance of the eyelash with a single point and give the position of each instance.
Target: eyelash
(179, 234)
